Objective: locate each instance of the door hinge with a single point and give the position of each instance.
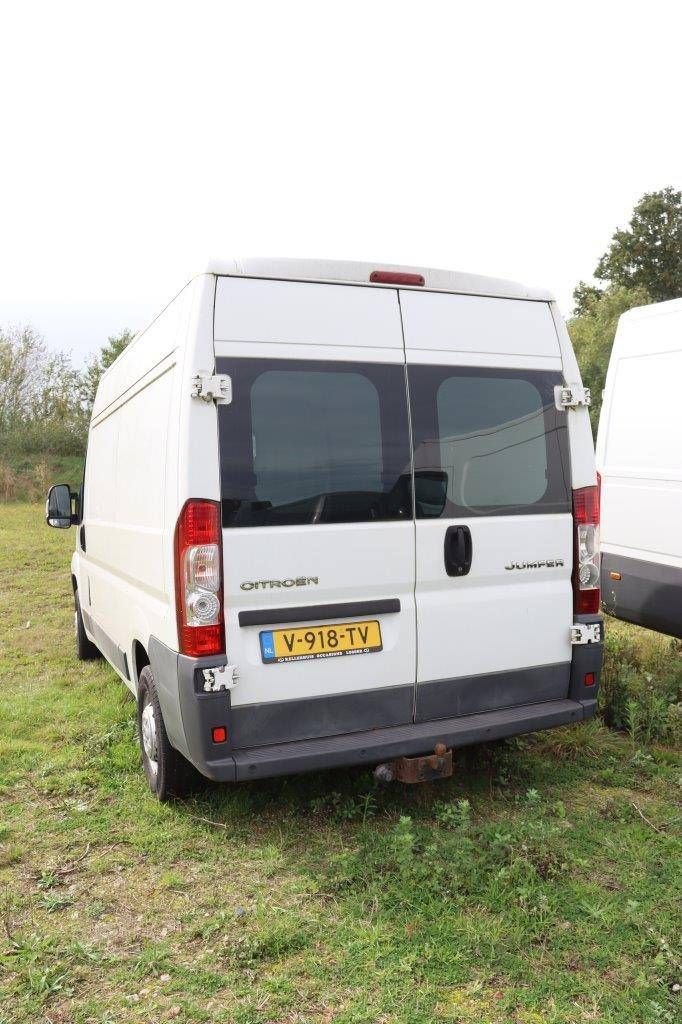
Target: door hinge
(222, 677)
(212, 387)
(571, 396)
(586, 633)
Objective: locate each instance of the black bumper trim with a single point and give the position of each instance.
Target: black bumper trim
(333, 714)
(368, 748)
(286, 721)
(308, 612)
(470, 695)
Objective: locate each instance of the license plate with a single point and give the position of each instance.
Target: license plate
(310, 642)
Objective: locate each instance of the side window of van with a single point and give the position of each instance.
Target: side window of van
(496, 438)
(314, 442)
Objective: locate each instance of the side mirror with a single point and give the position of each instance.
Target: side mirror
(58, 507)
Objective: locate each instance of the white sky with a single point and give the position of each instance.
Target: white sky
(138, 139)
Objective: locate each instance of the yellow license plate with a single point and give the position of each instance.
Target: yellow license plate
(307, 642)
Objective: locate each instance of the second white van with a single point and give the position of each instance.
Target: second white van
(338, 514)
(640, 461)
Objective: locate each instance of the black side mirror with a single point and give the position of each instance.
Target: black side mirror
(58, 507)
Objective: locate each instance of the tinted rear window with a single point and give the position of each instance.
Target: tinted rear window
(494, 437)
(314, 442)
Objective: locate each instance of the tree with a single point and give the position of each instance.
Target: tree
(35, 384)
(39, 408)
(592, 334)
(585, 295)
(648, 254)
(96, 367)
(45, 407)
(643, 264)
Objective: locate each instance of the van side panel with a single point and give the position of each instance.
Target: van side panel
(123, 577)
(93, 576)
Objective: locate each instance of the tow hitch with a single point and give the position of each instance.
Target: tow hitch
(417, 769)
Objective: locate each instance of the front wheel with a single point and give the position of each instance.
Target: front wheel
(167, 772)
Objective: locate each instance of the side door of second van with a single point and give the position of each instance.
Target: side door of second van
(318, 531)
(494, 549)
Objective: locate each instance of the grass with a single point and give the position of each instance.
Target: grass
(541, 884)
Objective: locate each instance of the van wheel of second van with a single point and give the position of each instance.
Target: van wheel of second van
(167, 771)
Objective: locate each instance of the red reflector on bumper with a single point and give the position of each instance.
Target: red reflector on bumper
(587, 601)
(590, 679)
(219, 734)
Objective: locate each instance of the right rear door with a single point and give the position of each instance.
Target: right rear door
(493, 521)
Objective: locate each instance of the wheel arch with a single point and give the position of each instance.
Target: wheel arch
(140, 658)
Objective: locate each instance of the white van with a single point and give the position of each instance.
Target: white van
(639, 455)
(337, 514)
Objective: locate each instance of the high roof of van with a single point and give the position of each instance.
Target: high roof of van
(359, 273)
(653, 309)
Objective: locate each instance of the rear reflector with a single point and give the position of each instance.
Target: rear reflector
(219, 734)
(590, 679)
(396, 277)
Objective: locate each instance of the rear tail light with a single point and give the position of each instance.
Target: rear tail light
(199, 579)
(586, 565)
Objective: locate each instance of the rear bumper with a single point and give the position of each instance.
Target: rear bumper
(288, 737)
(367, 748)
(645, 593)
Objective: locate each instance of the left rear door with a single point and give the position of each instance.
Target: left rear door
(318, 532)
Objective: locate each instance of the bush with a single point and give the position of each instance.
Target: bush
(46, 437)
(641, 685)
(28, 478)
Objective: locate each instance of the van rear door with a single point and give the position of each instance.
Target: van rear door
(492, 482)
(318, 533)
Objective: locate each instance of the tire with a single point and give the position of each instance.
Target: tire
(167, 772)
(85, 649)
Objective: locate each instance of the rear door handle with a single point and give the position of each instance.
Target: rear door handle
(457, 550)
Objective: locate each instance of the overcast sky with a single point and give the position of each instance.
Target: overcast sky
(139, 139)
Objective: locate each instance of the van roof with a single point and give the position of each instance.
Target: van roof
(359, 273)
(653, 309)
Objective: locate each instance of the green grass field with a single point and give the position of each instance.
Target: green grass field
(541, 884)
